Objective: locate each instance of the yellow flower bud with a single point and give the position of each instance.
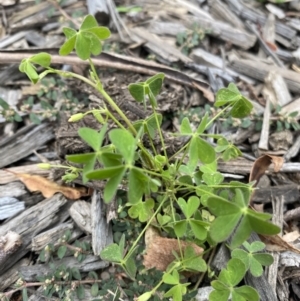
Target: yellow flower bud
(76, 117)
(44, 165)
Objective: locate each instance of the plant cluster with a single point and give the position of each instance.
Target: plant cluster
(189, 39)
(183, 195)
(53, 97)
(279, 120)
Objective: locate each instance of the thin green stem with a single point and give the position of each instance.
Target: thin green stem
(118, 110)
(160, 133)
(99, 88)
(110, 100)
(153, 173)
(152, 145)
(179, 151)
(184, 154)
(115, 120)
(144, 230)
(217, 116)
(207, 125)
(95, 73)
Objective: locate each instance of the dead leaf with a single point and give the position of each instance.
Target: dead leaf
(159, 250)
(272, 46)
(209, 95)
(277, 244)
(47, 187)
(262, 164)
(257, 207)
(291, 236)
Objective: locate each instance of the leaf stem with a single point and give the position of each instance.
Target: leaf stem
(144, 230)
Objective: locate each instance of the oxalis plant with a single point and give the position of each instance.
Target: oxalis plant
(183, 195)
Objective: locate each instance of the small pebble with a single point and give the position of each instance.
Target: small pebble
(105, 275)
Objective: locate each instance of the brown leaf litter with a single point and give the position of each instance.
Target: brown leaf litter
(47, 187)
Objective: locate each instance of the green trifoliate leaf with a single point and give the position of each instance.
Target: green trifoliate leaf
(86, 41)
(180, 228)
(111, 186)
(112, 253)
(219, 285)
(110, 159)
(222, 144)
(242, 108)
(155, 82)
(163, 219)
(198, 228)
(260, 225)
(42, 59)
(27, 68)
(228, 215)
(137, 185)
(105, 173)
(192, 261)
(67, 46)
(130, 267)
(142, 210)
(82, 46)
(202, 126)
(213, 178)
(137, 91)
(102, 33)
(219, 295)
(69, 32)
(242, 255)
(225, 96)
(264, 258)
(206, 153)
(246, 292)
(88, 22)
(124, 142)
(151, 124)
(185, 127)
(234, 272)
(81, 158)
(92, 137)
(256, 246)
(232, 87)
(88, 167)
(183, 206)
(171, 278)
(256, 268)
(193, 204)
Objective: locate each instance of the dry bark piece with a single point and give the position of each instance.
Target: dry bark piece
(10, 206)
(278, 244)
(159, 250)
(9, 243)
(23, 142)
(102, 234)
(54, 235)
(47, 187)
(33, 220)
(32, 169)
(281, 140)
(264, 137)
(278, 86)
(261, 165)
(81, 214)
